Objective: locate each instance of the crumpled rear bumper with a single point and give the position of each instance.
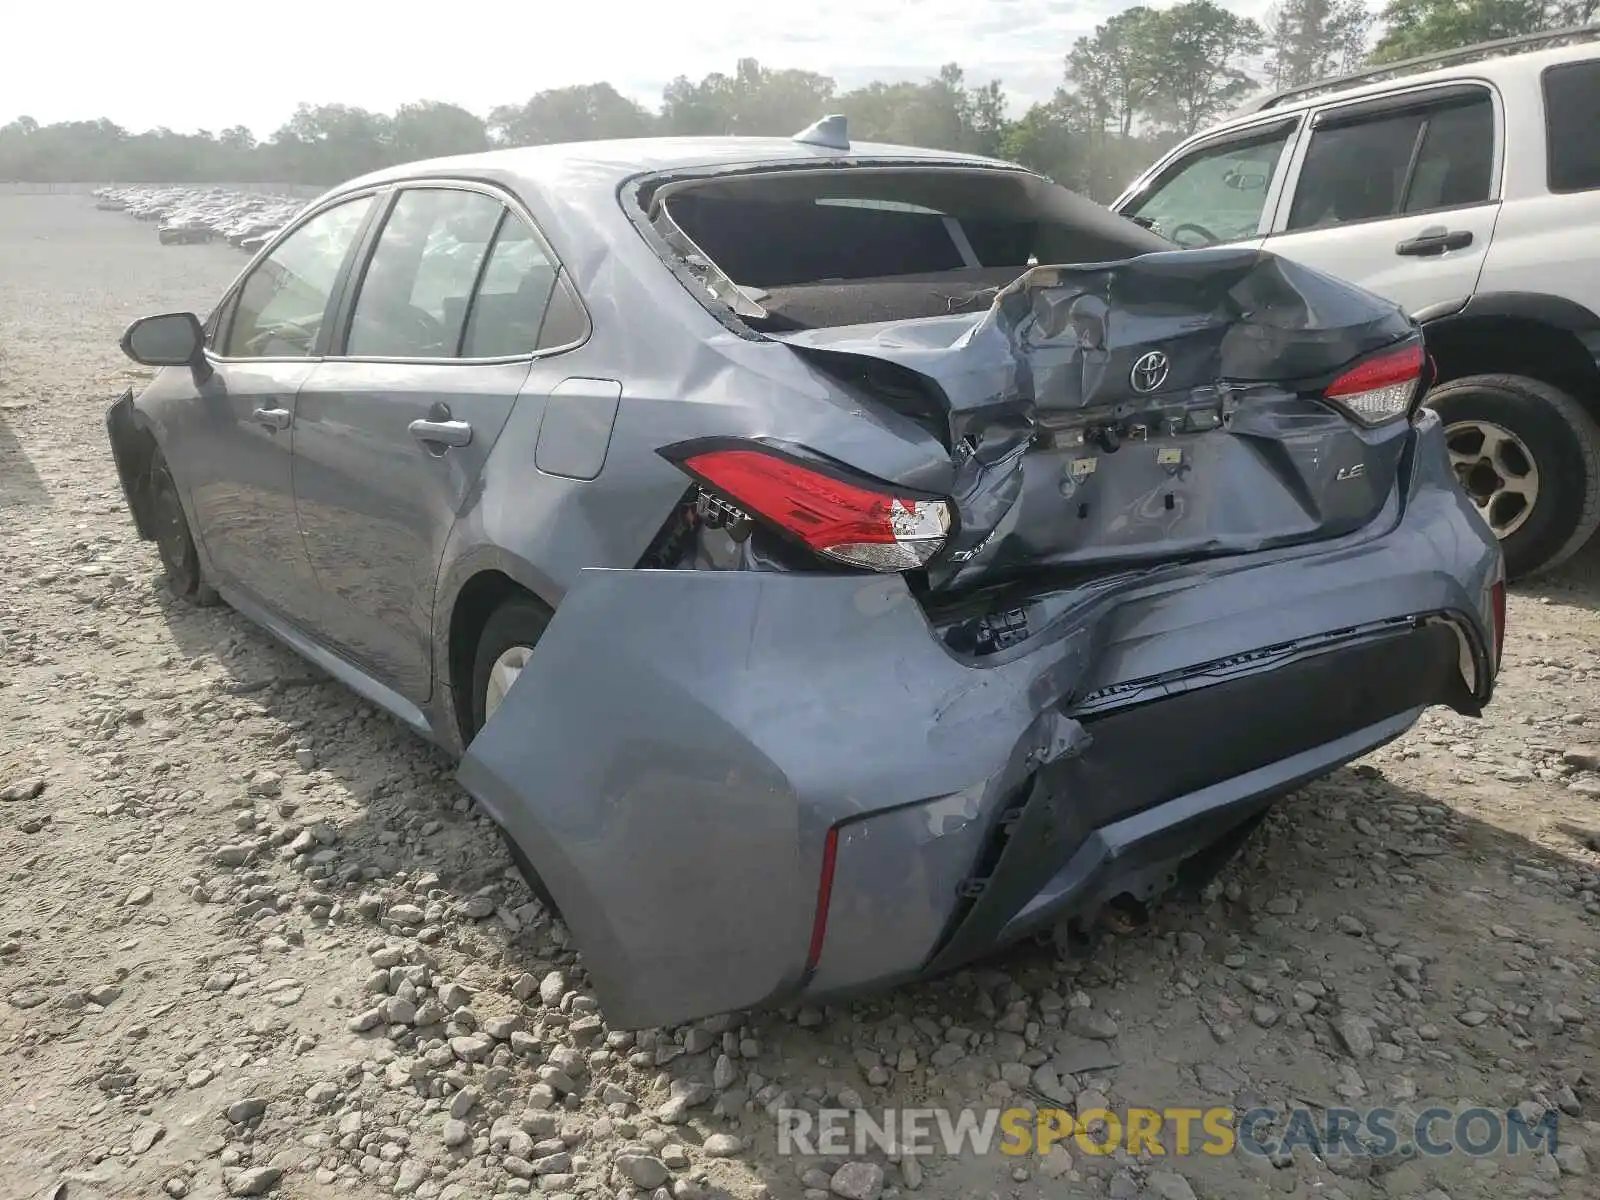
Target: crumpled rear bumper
(687, 751)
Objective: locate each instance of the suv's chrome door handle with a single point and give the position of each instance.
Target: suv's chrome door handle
(442, 433)
(1435, 241)
(274, 418)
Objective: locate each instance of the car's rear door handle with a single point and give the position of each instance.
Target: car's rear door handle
(274, 418)
(1435, 241)
(442, 433)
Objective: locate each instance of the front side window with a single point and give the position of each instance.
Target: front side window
(414, 296)
(1216, 194)
(1572, 114)
(1416, 160)
(282, 303)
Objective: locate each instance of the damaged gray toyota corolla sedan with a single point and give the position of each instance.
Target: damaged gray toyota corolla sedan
(819, 591)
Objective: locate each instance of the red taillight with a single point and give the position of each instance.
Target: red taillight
(845, 521)
(1499, 595)
(1382, 387)
(819, 922)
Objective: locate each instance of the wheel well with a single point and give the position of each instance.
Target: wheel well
(134, 450)
(479, 597)
(1516, 346)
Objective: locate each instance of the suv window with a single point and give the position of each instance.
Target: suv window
(1413, 160)
(511, 301)
(1572, 113)
(413, 297)
(282, 303)
(1216, 193)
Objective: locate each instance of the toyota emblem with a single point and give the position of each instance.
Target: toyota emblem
(1150, 371)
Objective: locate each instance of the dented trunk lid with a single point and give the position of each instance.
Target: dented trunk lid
(1164, 407)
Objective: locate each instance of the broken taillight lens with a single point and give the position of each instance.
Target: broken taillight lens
(1380, 388)
(848, 522)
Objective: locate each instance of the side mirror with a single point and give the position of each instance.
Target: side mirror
(167, 340)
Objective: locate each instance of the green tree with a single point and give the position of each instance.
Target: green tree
(1055, 138)
(432, 129)
(1413, 27)
(238, 139)
(754, 101)
(1116, 70)
(941, 113)
(1128, 90)
(584, 112)
(325, 143)
(985, 118)
(1198, 54)
(1308, 40)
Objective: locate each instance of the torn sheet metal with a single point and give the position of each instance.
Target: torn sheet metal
(660, 765)
(675, 791)
(1158, 407)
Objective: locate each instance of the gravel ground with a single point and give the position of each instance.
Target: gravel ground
(254, 940)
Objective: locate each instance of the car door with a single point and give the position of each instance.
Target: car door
(1399, 194)
(262, 344)
(1217, 190)
(393, 431)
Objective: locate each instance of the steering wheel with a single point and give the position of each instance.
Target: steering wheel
(1211, 239)
(399, 329)
(291, 332)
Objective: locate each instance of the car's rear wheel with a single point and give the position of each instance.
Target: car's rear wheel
(1528, 455)
(180, 561)
(504, 648)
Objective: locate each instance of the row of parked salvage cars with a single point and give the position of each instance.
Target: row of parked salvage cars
(190, 214)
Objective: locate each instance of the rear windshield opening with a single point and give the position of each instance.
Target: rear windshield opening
(804, 249)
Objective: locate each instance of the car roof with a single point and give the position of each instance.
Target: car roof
(1517, 64)
(606, 164)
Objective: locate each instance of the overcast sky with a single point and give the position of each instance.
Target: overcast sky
(215, 65)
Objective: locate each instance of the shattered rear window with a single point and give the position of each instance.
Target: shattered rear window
(809, 248)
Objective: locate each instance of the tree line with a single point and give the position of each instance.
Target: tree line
(1140, 81)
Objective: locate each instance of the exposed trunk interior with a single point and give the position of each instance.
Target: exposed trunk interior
(820, 247)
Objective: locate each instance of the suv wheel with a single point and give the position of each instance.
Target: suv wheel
(1528, 455)
(504, 647)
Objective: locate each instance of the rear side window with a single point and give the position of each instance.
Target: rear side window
(511, 301)
(1572, 116)
(1389, 164)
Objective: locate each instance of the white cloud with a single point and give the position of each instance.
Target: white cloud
(213, 66)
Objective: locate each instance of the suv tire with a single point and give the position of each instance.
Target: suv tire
(515, 626)
(1529, 456)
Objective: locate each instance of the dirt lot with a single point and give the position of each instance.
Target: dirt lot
(254, 940)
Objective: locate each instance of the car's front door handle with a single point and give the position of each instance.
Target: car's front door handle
(442, 433)
(1435, 241)
(274, 418)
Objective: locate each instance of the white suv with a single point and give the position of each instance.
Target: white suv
(1465, 187)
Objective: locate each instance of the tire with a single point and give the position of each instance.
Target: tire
(180, 560)
(519, 622)
(1553, 452)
